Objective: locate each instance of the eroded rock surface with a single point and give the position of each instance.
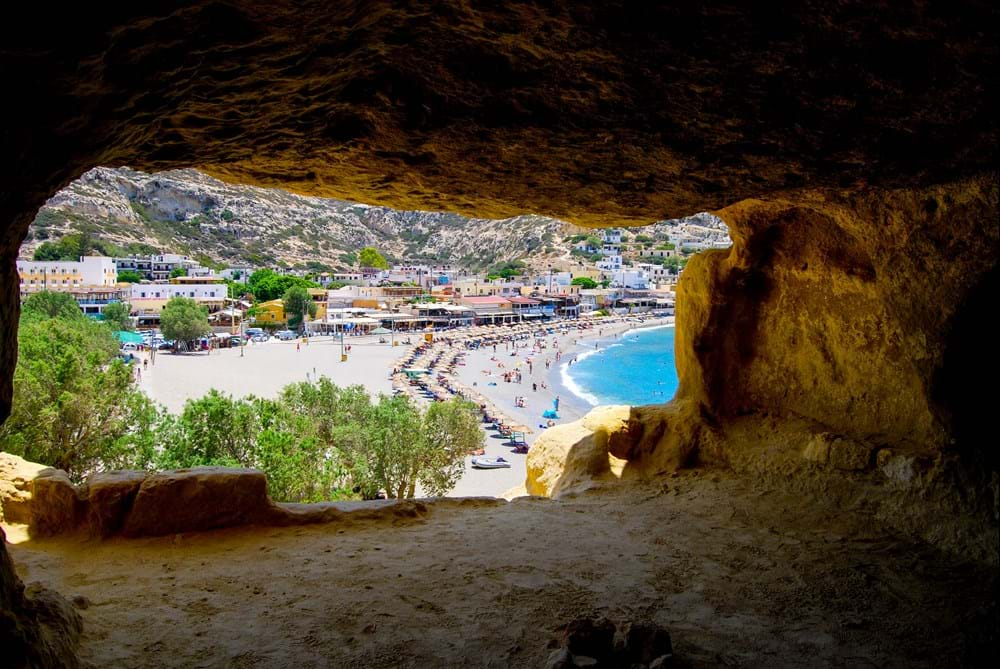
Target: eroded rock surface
(38, 628)
(858, 141)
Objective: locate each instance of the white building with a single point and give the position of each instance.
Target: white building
(237, 272)
(630, 278)
(155, 267)
(657, 273)
(65, 275)
(165, 291)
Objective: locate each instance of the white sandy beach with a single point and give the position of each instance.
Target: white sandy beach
(266, 368)
(496, 482)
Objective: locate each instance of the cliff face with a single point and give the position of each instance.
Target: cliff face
(841, 310)
(189, 212)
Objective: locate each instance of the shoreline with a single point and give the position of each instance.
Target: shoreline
(567, 384)
(462, 362)
(479, 369)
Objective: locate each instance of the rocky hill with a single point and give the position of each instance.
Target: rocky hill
(186, 211)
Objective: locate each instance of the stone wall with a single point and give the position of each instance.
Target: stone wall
(141, 504)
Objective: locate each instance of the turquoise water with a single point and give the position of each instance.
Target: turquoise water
(636, 368)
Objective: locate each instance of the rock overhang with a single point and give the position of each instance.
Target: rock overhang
(626, 113)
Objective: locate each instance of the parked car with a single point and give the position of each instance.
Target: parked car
(129, 347)
(260, 338)
(165, 345)
(235, 340)
(286, 335)
(253, 332)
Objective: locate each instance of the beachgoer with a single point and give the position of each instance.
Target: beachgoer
(534, 387)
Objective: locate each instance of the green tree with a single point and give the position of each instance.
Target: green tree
(298, 303)
(129, 276)
(673, 263)
(394, 447)
(506, 270)
(370, 257)
(275, 436)
(69, 247)
(47, 251)
(451, 431)
(594, 241)
(266, 284)
(184, 320)
(178, 271)
(48, 304)
(642, 239)
(75, 406)
(584, 282)
(116, 315)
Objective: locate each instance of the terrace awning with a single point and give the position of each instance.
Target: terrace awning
(126, 337)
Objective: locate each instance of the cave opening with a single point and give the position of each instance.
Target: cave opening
(817, 494)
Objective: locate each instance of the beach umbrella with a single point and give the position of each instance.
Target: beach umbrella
(381, 331)
(516, 430)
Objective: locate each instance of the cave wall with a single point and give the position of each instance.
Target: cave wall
(837, 309)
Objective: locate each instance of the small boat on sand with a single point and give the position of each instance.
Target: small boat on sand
(489, 463)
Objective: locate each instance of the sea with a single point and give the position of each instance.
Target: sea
(637, 367)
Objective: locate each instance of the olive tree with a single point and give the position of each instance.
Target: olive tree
(184, 320)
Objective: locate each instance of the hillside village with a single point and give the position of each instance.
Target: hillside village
(85, 242)
(606, 273)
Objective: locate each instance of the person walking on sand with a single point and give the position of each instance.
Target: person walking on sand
(297, 347)
(555, 403)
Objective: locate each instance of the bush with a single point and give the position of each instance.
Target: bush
(116, 315)
(129, 276)
(266, 284)
(75, 406)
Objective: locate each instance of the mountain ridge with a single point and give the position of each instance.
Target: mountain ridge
(186, 211)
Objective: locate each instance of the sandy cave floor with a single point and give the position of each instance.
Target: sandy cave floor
(739, 578)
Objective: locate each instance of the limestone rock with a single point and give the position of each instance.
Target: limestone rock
(849, 454)
(900, 467)
(818, 448)
(56, 504)
(38, 628)
(591, 638)
(16, 475)
(202, 498)
(109, 498)
(559, 659)
(570, 456)
(645, 642)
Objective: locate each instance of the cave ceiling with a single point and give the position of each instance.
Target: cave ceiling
(622, 112)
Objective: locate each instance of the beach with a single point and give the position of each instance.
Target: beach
(461, 361)
(477, 370)
(266, 368)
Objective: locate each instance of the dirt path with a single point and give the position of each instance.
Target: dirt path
(739, 578)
